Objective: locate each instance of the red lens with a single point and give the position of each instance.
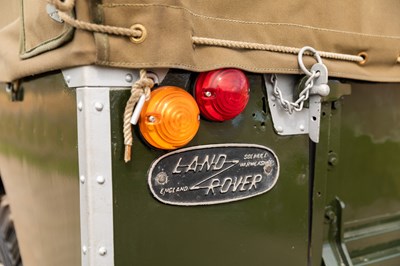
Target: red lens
(222, 94)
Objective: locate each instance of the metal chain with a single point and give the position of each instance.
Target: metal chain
(305, 93)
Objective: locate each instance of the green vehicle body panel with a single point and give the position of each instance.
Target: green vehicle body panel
(272, 226)
(39, 169)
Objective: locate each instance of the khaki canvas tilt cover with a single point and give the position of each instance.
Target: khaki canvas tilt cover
(176, 29)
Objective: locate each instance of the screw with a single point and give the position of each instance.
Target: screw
(268, 169)
(128, 78)
(80, 106)
(82, 178)
(208, 93)
(84, 250)
(279, 129)
(100, 179)
(98, 106)
(151, 119)
(162, 178)
(102, 251)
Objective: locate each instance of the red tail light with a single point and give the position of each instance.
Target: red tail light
(222, 94)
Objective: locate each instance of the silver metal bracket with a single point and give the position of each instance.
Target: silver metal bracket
(306, 121)
(98, 76)
(93, 85)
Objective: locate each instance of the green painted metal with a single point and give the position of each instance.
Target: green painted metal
(364, 169)
(271, 228)
(39, 168)
(318, 188)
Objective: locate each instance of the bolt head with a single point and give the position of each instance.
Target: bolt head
(82, 179)
(301, 127)
(84, 250)
(80, 106)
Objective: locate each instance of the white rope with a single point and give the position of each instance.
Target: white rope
(271, 48)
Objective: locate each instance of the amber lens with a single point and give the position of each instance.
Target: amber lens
(170, 119)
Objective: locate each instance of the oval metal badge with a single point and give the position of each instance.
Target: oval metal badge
(213, 174)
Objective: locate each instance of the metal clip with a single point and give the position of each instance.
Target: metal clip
(138, 109)
(319, 89)
(53, 13)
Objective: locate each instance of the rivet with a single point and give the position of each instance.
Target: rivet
(129, 78)
(142, 37)
(333, 161)
(279, 129)
(98, 106)
(82, 178)
(273, 98)
(100, 179)
(68, 79)
(80, 106)
(102, 251)
(301, 127)
(84, 250)
(151, 119)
